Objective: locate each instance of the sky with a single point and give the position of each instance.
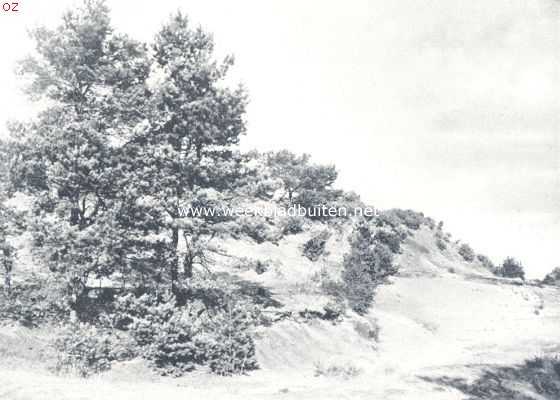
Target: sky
(449, 107)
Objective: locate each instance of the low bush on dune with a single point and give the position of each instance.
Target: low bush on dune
(174, 339)
(83, 350)
(409, 218)
(553, 278)
(486, 262)
(441, 244)
(389, 238)
(466, 252)
(32, 303)
(257, 229)
(315, 247)
(539, 376)
(367, 265)
(511, 268)
(249, 264)
(344, 371)
(292, 225)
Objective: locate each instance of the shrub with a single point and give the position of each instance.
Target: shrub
(34, 302)
(511, 268)
(333, 310)
(83, 350)
(292, 225)
(143, 316)
(409, 218)
(248, 264)
(177, 339)
(345, 371)
(441, 244)
(366, 265)
(466, 252)
(486, 262)
(390, 239)
(313, 201)
(544, 375)
(367, 330)
(257, 229)
(553, 278)
(232, 350)
(315, 247)
(177, 347)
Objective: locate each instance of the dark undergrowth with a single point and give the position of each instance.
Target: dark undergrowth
(535, 379)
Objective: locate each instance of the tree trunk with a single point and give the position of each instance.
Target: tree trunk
(174, 264)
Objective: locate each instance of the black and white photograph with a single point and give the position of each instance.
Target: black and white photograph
(280, 199)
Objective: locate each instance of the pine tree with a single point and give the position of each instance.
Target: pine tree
(92, 81)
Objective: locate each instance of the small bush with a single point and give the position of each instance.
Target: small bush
(33, 302)
(367, 331)
(466, 252)
(333, 310)
(177, 348)
(345, 371)
(366, 265)
(313, 201)
(315, 247)
(486, 262)
(553, 278)
(177, 339)
(83, 350)
(292, 225)
(248, 264)
(257, 229)
(441, 244)
(511, 268)
(143, 316)
(233, 350)
(389, 238)
(409, 218)
(359, 289)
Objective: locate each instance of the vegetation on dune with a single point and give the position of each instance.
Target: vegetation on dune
(511, 268)
(552, 278)
(367, 264)
(466, 252)
(539, 375)
(130, 135)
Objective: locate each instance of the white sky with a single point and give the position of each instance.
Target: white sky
(449, 107)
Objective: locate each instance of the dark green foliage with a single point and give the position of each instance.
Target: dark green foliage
(256, 228)
(360, 289)
(233, 350)
(292, 225)
(553, 278)
(389, 238)
(261, 267)
(409, 218)
(34, 302)
(177, 339)
(143, 316)
(367, 264)
(486, 262)
(466, 252)
(541, 374)
(511, 268)
(298, 174)
(247, 264)
(176, 347)
(441, 244)
(315, 247)
(83, 350)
